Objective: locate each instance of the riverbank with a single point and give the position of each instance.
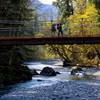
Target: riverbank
(14, 74)
(62, 90)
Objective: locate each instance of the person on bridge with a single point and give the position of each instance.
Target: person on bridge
(53, 29)
(59, 28)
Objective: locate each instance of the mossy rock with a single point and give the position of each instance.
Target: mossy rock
(14, 74)
(75, 70)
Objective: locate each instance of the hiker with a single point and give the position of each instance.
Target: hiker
(53, 29)
(59, 28)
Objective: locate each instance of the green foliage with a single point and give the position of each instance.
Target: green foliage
(83, 21)
(97, 4)
(65, 8)
(13, 74)
(12, 11)
(18, 10)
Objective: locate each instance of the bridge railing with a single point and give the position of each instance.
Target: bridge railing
(86, 28)
(25, 28)
(16, 28)
(15, 31)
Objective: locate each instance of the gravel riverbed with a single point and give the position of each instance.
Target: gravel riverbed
(61, 90)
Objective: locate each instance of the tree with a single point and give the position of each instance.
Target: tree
(84, 19)
(97, 4)
(14, 17)
(83, 22)
(65, 8)
(19, 15)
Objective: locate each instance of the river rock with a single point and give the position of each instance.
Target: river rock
(47, 71)
(66, 64)
(58, 72)
(76, 70)
(34, 72)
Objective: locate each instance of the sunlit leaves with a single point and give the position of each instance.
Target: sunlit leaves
(84, 19)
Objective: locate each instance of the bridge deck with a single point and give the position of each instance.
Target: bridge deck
(49, 40)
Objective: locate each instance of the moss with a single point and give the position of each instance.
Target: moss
(13, 74)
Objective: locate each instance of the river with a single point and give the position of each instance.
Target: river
(39, 65)
(40, 81)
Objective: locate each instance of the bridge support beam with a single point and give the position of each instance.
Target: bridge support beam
(49, 40)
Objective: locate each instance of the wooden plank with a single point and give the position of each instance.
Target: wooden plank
(48, 40)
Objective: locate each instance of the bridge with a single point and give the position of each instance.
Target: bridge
(15, 35)
(10, 41)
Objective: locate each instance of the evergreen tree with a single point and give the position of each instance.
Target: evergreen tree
(15, 17)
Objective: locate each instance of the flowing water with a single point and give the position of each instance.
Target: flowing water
(38, 80)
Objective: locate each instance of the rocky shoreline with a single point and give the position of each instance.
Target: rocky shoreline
(14, 74)
(62, 90)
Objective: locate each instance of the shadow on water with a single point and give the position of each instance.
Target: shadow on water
(5, 90)
(24, 85)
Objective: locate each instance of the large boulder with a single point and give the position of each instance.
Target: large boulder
(14, 74)
(47, 71)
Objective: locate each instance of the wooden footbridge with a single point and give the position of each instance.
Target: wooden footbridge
(8, 41)
(8, 36)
